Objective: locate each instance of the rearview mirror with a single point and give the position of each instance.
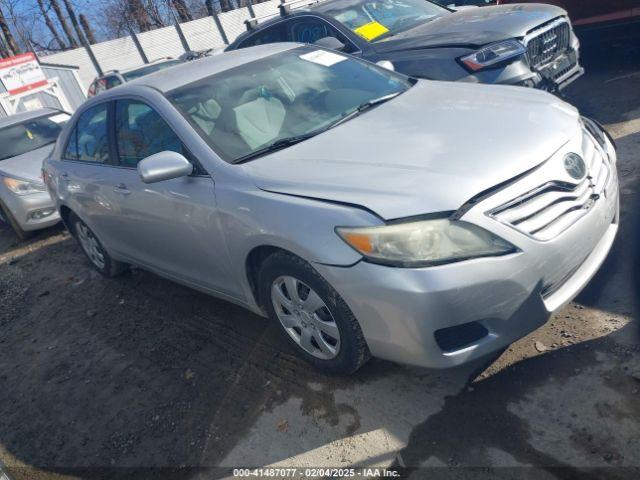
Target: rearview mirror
(330, 42)
(163, 166)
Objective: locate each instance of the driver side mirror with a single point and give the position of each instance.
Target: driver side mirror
(163, 166)
(330, 42)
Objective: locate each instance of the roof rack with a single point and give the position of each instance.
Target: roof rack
(284, 7)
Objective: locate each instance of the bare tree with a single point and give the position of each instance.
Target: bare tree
(52, 28)
(182, 10)
(138, 13)
(4, 52)
(11, 44)
(211, 11)
(87, 29)
(74, 21)
(63, 23)
(226, 5)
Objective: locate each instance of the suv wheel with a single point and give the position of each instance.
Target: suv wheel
(312, 315)
(93, 249)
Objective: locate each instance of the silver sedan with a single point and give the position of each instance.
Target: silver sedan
(25, 141)
(365, 212)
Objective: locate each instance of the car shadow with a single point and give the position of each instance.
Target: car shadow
(138, 376)
(478, 422)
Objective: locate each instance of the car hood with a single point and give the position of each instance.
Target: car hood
(27, 166)
(428, 150)
(472, 27)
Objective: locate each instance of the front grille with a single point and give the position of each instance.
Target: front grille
(548, 210)
(547, 43)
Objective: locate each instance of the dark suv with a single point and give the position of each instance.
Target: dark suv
(529, 45)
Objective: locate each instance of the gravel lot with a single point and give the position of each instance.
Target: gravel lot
(138, 376)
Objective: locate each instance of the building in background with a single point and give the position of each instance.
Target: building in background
(26, 84)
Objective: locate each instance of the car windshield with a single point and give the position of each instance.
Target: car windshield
(154, 67)
(282, 97)
(30, 135)
(375, 20)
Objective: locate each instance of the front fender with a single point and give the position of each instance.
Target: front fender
(302, 226)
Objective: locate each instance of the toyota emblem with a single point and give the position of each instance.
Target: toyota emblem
(575, 166)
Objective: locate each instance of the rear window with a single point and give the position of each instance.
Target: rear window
(29, 135)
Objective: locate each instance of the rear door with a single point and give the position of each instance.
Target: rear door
(86, 173)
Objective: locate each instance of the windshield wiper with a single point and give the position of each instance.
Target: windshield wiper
(288, 141)
(277, 145)
(365, 106)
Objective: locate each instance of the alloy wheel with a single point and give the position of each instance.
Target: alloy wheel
(305, 317)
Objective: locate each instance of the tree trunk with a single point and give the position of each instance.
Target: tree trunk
(87, 29)
(182, 10)
(63, 23)
(4, 53)
(74, 21)
(50, 25)
(11, 43)
(225, 5)
(211, 10)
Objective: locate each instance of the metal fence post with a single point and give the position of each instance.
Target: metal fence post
(183, 39)
(138, 45)
(93, 58)
(223, 34)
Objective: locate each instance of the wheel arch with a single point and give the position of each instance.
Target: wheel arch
(253, 263)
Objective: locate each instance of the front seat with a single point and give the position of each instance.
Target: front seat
(260, 121)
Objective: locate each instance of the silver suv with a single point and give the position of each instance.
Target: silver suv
(365, 212)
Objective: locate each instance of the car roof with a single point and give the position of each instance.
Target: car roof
(108, 73)
(24, 116)
(183, 74)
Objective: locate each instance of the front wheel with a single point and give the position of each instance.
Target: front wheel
(93, 249)
(312, 315)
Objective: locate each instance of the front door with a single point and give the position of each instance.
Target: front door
(170, 226)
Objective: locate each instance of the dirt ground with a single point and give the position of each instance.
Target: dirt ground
(140, 377)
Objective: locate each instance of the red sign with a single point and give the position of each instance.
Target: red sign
(21, 73)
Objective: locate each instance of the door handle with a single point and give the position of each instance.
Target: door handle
(122, 189)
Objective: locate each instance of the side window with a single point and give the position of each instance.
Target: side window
(112, 81)
(311, 29)
(272, 34)
(88, 141)
(141, 131)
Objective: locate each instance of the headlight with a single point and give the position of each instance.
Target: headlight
(424, 242)
(23, 187)
(492, 54)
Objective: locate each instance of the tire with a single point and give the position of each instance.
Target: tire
(20, 233)
(98, 257)
(321, 327)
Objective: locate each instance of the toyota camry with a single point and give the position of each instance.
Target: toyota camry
(341, 200)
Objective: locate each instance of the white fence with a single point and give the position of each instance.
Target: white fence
(122, 53)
